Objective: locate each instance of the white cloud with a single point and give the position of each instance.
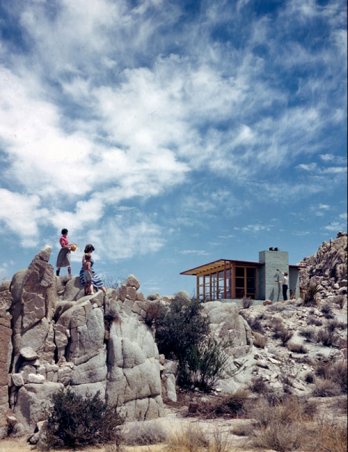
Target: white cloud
(23, 215)
(194, 252)
(327, 157)
(253, 228)
(336, 226)
(126, 236)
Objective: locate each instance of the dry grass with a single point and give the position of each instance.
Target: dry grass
(144, 433)
(294, 425)
(190, 439)
(334, 372)
(326, 388)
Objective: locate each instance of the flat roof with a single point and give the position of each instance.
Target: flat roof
(219, 265)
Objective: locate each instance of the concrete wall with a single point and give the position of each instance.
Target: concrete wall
(269, 284)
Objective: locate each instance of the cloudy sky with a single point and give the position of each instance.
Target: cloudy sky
(170, 133)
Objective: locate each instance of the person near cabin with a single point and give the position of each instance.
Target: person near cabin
(64, 255)
(285, 283)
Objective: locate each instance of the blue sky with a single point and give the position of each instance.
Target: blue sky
(171, 133)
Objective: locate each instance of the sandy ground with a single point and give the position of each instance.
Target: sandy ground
(174, 423)
(176, 426)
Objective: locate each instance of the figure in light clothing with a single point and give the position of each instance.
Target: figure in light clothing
(285, 284)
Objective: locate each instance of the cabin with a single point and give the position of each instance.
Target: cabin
(226, 279)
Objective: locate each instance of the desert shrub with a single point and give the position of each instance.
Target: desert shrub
(181, 329)
(308, 333)
(326, 388)
(339, 374)
(256, 325)
(220, 442)
(154, 311)
(333, 325)
(232, 405)
(296, 348)
(280, 331)
(326, 336)
(246, 302)
(280, 426)
(183, 334)
(259, 340)
(279, 437)
(311, 291)
(335, 372)
(309, 378)
(208, 366)
(258, 385)
(326, 309)
(75, 420)
(312, 320)
(227, 406)
(329, 435)
(190, 439)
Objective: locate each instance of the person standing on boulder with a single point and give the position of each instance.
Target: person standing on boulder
(285, 284)
(84, 278)
(63, 259)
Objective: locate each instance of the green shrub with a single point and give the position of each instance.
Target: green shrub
(182, 333)
(209, 364)
(76, 421)
(181, 329)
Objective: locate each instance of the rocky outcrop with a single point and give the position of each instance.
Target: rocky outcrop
(5, 353)
(62, 338)
(327, 268)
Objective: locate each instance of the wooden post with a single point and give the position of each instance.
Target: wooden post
(203, 288)
(197, 287)
(233, 277)
(225, 280)
(210, 284)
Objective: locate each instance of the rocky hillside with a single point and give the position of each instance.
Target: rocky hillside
(52, 336)
(327, 268)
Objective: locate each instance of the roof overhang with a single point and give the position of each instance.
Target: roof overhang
(217, 266)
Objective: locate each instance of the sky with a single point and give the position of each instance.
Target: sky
(171, 133)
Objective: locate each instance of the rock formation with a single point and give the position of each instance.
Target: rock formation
(53, 336)
(327, 268)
